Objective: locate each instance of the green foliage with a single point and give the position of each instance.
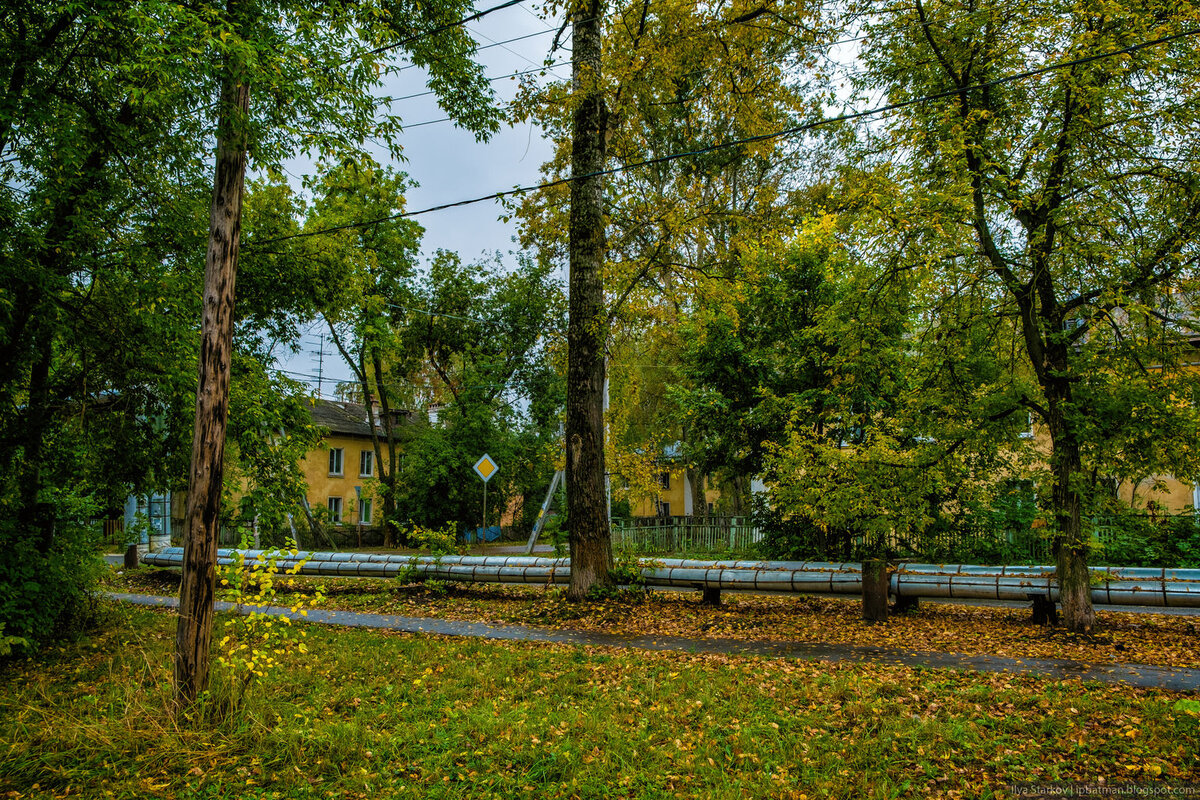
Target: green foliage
(488, 353)
(627, 571)
(9, 643)
(106, 136)
(1189, 706)
(439, 542)
(556, 531)
(744, 361)
(1133, 539)
(270, 431)
(46, 588)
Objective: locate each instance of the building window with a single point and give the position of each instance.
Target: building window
(664, 509)
(664, 480)
(364, 511)
(366, 463)
(336, 455)
(335, 509)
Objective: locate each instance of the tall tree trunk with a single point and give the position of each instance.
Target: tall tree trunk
(875, 590)
(591, 547)
(387, 477)
(739, 495)
(1070, 545)
(193, 638)
(33, 515)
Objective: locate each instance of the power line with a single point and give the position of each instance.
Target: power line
(543, 68)
(780, 134)
(521, 56)
(498, 44)
(439, 29)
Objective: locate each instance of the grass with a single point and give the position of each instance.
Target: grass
(1156, 639)
(370, 714)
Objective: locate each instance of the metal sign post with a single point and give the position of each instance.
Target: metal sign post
(541, 518)
(485, 468)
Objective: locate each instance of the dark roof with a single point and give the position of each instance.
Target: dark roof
(347, 418)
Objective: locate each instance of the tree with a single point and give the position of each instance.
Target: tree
(486, 345)
(744, 359)
(97, 204)
(319, 66)
(377, 264)
(677, 79)
(1067, 197)
(587, 512)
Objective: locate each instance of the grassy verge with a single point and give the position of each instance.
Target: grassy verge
(1126, 638)
(369, 714)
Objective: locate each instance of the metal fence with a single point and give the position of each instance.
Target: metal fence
(709, 534)
(112, 531)
(1132, 539)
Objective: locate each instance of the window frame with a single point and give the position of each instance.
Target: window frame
(337, 454)
(366, 458)
(335, 506)
(366, 510)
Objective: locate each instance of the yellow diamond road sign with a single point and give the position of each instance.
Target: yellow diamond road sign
(486, 468)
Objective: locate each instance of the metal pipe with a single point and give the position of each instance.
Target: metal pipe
(1110, 585)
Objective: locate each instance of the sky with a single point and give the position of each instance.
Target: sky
(449, 165)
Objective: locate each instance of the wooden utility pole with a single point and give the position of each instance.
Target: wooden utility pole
(193, 638)
(587, 515)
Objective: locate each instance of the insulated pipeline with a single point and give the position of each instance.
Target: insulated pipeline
(1110, 585)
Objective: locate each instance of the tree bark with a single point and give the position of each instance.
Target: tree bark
(875, 590)
(589, 537)
(386, 479)
(193, 638)
(1071, 546)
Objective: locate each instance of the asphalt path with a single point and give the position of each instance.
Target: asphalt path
(1170, 678)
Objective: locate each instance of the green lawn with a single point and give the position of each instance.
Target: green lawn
(370, 714)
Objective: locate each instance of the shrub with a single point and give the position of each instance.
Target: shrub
(252, 642)
(47, 594)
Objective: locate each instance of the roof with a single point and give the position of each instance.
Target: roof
(338, 417)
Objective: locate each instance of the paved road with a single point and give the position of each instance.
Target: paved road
(1175, 679)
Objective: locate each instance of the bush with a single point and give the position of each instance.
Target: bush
(1140, 540)
(799, 538)
(253, 640)
(47, 595)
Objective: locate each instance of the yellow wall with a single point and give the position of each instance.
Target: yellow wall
(322, 485)
(1171, 496)
(674, 495)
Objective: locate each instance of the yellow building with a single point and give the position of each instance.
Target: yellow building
(1164, 494)
(676, 497)
(1159, 494)
(342, 474)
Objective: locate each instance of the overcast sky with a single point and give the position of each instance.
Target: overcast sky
(450, 165)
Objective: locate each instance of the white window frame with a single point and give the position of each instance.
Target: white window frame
(337, 458)
(366, 510)
(334, 504)
(366, 464)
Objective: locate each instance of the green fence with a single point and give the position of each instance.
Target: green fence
(683, 535)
